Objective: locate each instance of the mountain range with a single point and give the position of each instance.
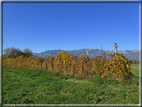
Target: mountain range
(131, 54)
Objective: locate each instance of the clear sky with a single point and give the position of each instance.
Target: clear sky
(68, 26)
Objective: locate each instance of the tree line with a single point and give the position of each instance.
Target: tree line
(14, 53)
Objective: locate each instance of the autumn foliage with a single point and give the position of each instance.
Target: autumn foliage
(83, 66)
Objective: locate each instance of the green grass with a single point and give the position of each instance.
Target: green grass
(135, 70)
(27, 86)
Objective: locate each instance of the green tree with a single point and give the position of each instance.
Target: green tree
(19, 52)
(12, 53)
(6, 53)
(27, 53)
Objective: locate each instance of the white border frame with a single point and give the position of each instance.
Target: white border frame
(74, 1)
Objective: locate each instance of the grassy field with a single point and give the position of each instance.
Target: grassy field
(25, 86)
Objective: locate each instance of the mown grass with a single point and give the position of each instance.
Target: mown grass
(25, 86)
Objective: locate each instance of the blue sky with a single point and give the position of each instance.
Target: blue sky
(68, 26)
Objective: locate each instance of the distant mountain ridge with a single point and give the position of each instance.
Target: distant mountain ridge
(92, 52)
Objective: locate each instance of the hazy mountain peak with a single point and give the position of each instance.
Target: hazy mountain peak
(92, 52)
(136, 50)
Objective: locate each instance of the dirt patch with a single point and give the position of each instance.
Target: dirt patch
(134, 67)
(77, 81)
